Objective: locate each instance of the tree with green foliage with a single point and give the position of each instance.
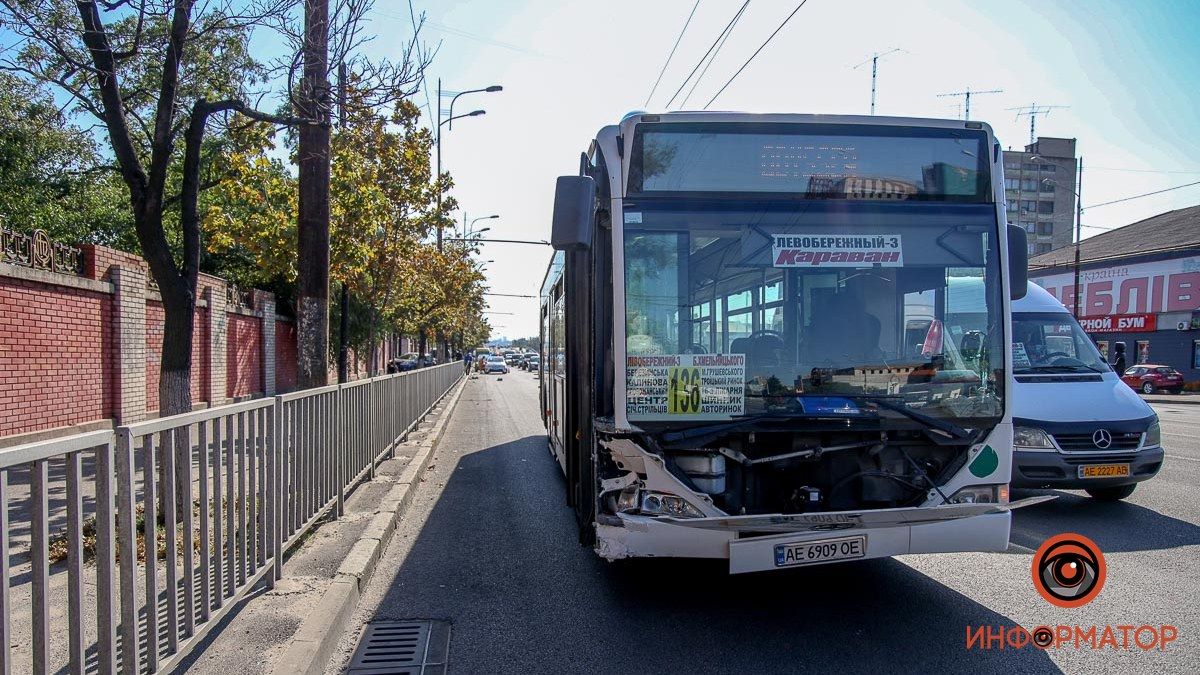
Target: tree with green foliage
(51, 173)
(383, 209)
(152, 74)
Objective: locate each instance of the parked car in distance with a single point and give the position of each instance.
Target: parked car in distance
(407, 362)
(495, 364)
(1149, 378)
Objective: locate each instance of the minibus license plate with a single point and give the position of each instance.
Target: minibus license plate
(1104, 471)
(822, 550)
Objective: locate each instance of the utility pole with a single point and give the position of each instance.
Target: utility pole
(344, 302)
(312, 283)
(874, 61)
(438, 175)
(967, 95)
(1078, 232)
(1032, 111)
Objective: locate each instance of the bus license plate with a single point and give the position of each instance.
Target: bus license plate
(1104, 470)
(822, 550)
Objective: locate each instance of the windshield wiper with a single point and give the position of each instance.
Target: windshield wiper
(1058, 369)
(752, 420)
(895, 404)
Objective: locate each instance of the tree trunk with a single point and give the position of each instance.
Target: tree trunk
(175, 397)
(372, 337)
(312, 284)
(343, 363)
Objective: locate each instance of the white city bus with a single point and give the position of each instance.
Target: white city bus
(728, 365)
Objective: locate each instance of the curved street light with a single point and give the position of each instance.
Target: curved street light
(450, 121)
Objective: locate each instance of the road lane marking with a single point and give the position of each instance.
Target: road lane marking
(1186, 459)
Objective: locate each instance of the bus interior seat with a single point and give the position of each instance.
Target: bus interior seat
(763, 351)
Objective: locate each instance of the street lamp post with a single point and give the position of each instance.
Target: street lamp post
(1078, 232)
(468, 229)
(540, 242)
(450, 120)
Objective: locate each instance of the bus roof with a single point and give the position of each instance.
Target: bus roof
(1038, 299)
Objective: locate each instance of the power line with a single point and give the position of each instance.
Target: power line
(728, 27)
(1115, 168)
(711, 60)
(672, 54)
(760, 48)
(1145, 194)
(424, 82)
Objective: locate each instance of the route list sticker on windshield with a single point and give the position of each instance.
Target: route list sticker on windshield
(693, 385)
(837, 250)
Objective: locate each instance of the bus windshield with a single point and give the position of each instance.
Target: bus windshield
(738, 309)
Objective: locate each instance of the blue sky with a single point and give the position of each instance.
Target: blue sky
(1128, 71)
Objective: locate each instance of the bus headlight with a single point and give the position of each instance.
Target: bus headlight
(650, 503)
(1153, 435)
(981, 494)
(1031, 438)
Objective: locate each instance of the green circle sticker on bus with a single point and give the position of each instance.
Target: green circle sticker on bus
(683, 391)
(985, 462)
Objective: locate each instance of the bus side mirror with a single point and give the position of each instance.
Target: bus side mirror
(574, 209)
(1018, 262)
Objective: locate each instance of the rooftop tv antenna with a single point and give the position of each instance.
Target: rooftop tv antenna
(874, 61)
(1033, 110)
(967, 98)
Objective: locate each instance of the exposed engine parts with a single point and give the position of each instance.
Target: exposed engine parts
(787, 472)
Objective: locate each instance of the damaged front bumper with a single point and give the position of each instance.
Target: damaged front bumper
(751, 543)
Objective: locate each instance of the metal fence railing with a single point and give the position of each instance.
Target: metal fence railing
(149, 535)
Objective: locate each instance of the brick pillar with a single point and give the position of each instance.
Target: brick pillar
(264, 302)
(218, 325)
(129, 333)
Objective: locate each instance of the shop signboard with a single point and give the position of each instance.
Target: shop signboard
(1141, 288)
(1120, 323)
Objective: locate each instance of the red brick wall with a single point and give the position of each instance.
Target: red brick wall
(98, 259)
(243, 364)
(56, 356)
(285, 356)
(154, 343)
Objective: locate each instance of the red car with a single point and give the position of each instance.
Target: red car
(1148, 378)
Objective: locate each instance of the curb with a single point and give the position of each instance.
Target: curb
(312, 646)
(1176, 398)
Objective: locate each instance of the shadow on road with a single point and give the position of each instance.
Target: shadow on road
(1114, 526)
(498, 557)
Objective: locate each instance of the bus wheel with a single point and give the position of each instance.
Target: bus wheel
(1112, 494)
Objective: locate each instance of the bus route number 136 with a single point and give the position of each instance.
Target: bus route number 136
(683, 391)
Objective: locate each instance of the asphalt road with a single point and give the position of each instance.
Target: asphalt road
(490, 546)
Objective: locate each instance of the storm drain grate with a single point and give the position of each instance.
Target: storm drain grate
(402, 648)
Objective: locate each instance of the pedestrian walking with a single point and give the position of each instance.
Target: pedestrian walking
(1119, 362)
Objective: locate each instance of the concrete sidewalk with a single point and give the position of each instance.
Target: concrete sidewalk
(256, 636)
(1186, 398)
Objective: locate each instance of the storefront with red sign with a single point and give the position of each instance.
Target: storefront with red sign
(1120, 323)
(1148, 306)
